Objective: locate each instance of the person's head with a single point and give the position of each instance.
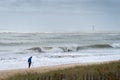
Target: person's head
(30, 56)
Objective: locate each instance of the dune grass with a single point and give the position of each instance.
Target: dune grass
(78, 72)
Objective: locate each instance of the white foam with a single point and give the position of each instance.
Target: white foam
(116, 45)
(20, 61)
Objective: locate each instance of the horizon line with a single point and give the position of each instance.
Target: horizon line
(60, 32)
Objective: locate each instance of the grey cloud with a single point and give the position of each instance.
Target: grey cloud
(73, 6)
(60, 2)
(60, 13)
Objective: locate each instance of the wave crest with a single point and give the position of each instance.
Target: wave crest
(100, 46)
(115, 45)
(73, 48)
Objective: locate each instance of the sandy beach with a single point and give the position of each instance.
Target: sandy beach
(8, 73)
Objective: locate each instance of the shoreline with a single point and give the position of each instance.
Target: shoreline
(9, 73)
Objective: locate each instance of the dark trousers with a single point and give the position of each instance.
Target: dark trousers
(29, 64)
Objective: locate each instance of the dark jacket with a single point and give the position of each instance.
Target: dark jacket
(30, 59)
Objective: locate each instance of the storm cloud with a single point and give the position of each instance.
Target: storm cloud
(60, 15)
(73, 6)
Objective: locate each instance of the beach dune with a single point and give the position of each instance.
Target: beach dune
(9, 73)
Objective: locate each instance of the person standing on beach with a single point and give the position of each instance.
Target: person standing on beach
(29, 61)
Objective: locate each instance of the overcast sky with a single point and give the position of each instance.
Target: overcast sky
(59, 15)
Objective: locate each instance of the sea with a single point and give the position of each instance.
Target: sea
(49, 49)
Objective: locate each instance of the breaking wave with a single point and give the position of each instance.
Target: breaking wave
(73, 48)
(100, 46)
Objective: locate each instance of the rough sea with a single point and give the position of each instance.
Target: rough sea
(50, 49)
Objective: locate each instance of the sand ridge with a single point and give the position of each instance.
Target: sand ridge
(9, 73)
